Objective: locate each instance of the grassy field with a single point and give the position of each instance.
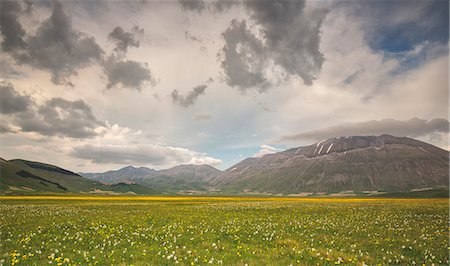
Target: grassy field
(222, 230)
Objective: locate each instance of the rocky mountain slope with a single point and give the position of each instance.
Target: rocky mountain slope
(358, 163)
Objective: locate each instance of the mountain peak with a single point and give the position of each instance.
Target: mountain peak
(348, 143)
(358, 163)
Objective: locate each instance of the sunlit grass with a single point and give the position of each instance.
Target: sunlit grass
(214, 198)
(90, 230)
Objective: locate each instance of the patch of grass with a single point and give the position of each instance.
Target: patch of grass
(89, 230)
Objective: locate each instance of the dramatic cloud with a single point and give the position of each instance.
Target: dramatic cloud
(244, 60)
(127, 73)
(405, 23)
(190, 98)
(211, 5)
(222, 5)
(150, 154)
(59, 48)
(59, 117)
(414, 127)
(29, 6)
(10, 27)
(193, 5)
(265, 149)
(290, 40)
(4, 128)
(55, 117)
(292, 35)
(124, 39)
(11, 101)
(122, 72)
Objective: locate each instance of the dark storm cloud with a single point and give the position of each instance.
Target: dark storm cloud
(61, 49)
(190, 98)
(243, 60)
(29, 6)
(192, 5)
(11, 101)
(127, 73)
(222, 5)
(292, 34)
(210, 5)
(414, 127)
(290, 40)
(55, 117)
(10, 27)
(124, 39)
(60, 117)
(56, 46)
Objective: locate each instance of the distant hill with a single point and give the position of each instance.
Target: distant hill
(356, 164)
(26, 177)
(181, 178)
(127, 174)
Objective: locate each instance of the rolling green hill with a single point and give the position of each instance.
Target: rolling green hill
(26, 177)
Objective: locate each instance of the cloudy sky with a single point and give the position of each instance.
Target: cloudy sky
(97, 85)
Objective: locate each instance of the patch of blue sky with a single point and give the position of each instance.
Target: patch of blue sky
(399, 26)
(231, 156)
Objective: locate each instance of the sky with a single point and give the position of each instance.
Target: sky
(93, 86)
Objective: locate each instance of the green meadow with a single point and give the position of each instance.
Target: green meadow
(220, 230)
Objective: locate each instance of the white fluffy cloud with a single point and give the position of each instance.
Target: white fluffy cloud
(266, 149)
(116, 145)
(153, 155)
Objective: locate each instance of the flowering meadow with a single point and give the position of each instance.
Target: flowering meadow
(226, 231)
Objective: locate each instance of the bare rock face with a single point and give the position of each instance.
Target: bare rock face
(356, 163)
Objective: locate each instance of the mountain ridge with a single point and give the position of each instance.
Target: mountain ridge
(357, 163)
(19, 176)
(180, 177)
(334, 165)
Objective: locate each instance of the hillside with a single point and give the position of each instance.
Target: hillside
(348, 165)
(357, 164)
(25, 177)
(126, 174)
(180, 178)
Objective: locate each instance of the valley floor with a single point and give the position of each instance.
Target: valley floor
(89, 230)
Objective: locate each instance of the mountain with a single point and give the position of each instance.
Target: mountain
(345, 165)
(25, 177)
(181, 178)
(357, 164)
(127, 174)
